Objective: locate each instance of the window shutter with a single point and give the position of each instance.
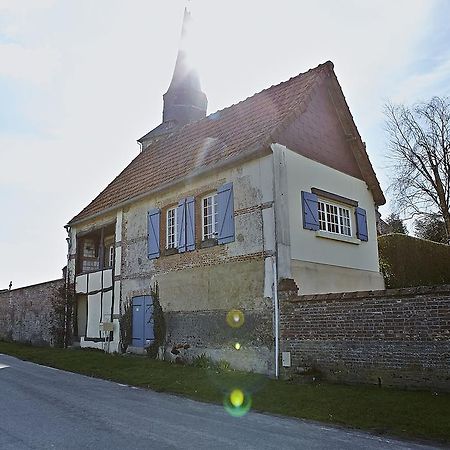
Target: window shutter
(190, 224)
(181, 226)
(310, 211)
(361, 224)
(154, 217)
(225, 214)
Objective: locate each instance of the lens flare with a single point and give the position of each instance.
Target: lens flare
(237, 403)
(237, 346)
(237, 398)
(235, 318)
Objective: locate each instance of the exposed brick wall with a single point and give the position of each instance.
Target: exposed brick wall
(397, 337)
(26, 313)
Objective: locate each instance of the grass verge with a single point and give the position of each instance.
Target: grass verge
(411, 414)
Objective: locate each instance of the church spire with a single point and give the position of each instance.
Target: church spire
(184, 101)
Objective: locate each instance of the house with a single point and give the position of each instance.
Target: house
(215, 208)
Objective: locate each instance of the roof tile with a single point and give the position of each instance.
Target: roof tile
(203, 144)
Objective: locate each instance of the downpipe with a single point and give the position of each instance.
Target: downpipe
(276, 317)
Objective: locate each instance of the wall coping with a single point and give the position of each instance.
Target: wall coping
(7, 291)
(399, 292)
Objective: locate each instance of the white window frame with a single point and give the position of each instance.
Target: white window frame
(211, 216)
(111, 255)
(335, 218)
(171, 228)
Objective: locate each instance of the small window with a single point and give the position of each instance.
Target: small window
(109, 256)
(209, 217)
(334, 218)
(171, 228)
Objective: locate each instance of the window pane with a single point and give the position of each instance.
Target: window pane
(209, 212)
(171, 232)
(334, 218)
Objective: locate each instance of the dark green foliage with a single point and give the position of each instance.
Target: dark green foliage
(407, 261)
(396, 224)
(420, 414)
(125, 323)
(159, 324)
(431, 228)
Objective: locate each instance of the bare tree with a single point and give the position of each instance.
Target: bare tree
(419, 146)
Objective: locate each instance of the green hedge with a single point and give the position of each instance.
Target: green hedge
(408, 261)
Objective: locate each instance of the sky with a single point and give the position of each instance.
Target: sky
(81, 80)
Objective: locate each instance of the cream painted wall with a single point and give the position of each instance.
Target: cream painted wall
(309, 246)
(314, 278)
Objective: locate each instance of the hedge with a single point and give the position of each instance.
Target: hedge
(408, 261)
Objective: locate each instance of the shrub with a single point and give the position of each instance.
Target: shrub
(159, 324)
(406, 261)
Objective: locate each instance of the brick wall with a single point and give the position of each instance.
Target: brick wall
(26, 313)
(397, 337)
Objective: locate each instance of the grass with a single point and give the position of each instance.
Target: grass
(410, 414)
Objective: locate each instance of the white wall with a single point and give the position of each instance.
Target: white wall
(309, 247)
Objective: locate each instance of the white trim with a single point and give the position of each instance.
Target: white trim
(337, 237)
(174, 243)
(342, 213)
(213, 216)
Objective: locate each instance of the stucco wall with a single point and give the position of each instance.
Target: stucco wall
(311, 253)
(26, 314)
(201, 286)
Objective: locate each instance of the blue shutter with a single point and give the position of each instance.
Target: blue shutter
(154, 216)
(181, 226)
(190, 224)
(361, 224)
(310, 211)
(225, 214)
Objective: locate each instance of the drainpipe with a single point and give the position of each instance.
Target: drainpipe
(276, 316)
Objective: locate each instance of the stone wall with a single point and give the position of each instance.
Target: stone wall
(26, 313)
(396, 337)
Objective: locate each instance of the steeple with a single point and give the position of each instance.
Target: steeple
(184, 101)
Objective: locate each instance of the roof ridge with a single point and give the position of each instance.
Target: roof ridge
(326, 65)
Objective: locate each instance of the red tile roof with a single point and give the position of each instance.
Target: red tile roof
(219, 137)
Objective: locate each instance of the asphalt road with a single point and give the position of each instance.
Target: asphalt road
(44, 408)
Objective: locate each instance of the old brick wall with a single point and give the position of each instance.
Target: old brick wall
(397, 337)
(26, 313)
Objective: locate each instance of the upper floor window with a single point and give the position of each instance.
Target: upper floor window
(334, 218)
(182, 227)
(209, 217)
(171, 228)
(332, 213)
(109, 251)
(95, 249)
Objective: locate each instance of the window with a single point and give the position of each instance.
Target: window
(90, 260)
(209, 217)
(109, 252)
(171, 228)
(334, 218)
(95, 249)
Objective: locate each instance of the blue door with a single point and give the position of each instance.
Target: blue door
(142, 325)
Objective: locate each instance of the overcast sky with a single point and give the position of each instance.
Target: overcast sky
(81, 80)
